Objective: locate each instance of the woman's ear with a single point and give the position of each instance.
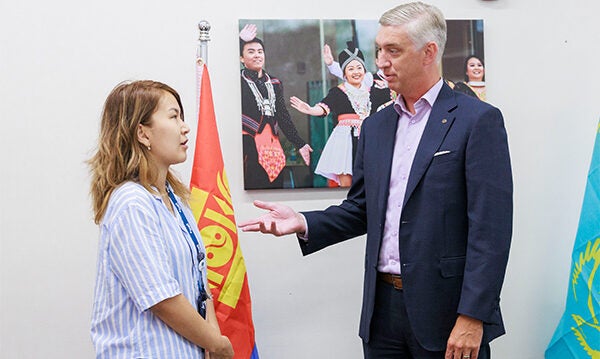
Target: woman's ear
(143, 135)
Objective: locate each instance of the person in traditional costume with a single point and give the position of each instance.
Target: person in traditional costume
(349, 103)
(474, 84)
(376, 79)
(264, 118)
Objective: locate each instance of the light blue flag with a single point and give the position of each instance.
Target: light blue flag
(578, 333)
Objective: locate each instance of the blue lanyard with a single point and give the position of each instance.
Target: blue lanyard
(200, 254)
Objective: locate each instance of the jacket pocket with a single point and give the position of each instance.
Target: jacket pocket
(444, 156)
(452, 267)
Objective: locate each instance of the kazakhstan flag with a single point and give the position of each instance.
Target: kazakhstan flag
(578, 333)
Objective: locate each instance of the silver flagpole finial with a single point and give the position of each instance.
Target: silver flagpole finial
(204, 28)
(204, 38)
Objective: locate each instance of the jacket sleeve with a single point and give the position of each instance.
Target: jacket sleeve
(490, 213)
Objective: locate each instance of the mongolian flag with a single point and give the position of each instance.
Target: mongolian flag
(212, 207)
(578, 333)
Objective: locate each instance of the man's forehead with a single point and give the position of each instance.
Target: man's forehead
(253, 46)
(390, 35)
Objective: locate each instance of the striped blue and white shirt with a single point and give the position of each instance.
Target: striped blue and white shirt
(145, 256)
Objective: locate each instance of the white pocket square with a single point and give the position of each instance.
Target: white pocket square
(441, 153)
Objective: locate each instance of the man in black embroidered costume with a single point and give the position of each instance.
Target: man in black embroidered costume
(264, 116)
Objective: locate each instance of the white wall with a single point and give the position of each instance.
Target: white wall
(59, 59)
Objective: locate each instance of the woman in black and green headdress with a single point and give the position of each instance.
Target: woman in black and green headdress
(349, 103)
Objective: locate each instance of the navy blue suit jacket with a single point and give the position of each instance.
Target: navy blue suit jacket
(456, 219)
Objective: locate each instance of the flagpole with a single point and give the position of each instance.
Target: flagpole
(204, 38)
(210, 201)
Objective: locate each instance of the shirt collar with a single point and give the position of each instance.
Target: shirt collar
(157, 195)
(253, 75)
(428, 98)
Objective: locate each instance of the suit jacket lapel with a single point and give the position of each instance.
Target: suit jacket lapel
(439, 122)
(386, 139)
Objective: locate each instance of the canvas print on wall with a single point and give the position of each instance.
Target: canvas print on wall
(306, 86)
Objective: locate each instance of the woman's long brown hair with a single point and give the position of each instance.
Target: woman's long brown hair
(120, 157)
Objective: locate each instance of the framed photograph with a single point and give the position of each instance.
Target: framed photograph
(306, 86)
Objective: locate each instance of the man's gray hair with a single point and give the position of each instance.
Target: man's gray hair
(424, 23)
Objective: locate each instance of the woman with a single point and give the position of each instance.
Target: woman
(377, 79)
(151, 298)
(350, 103)
(474, 77)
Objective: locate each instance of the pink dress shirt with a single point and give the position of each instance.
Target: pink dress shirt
(408, 135)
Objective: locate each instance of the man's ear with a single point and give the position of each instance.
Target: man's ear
(431, 51)
(143, 135)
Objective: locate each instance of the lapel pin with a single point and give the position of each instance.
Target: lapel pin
(444, 121)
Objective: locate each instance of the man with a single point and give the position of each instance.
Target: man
(432, 189)
(264, 115)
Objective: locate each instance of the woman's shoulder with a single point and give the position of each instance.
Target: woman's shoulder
(462, 87)
(130, 189)
(128, 195)
(337, 91)
(337, 100)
